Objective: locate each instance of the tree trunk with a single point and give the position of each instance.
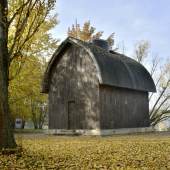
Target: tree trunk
(42, 116)
(6, 133)
(33, 112)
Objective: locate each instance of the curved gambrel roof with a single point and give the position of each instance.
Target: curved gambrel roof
(114, 69)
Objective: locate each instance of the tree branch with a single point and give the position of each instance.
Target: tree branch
(161, 94)
(29, 34)
(21, 26)
(159, 120)
(17, 12)
(160, 105)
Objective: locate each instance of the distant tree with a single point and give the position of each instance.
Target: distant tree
(160, 109)
(141, 51)
(38, 113)
(88, 33)
(25, 97)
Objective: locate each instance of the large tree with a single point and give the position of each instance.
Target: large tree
(26, 69)
(20, 26)
(6, 134)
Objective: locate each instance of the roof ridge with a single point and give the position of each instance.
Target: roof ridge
(114, 69)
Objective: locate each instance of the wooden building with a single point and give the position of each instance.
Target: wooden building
(90, 87)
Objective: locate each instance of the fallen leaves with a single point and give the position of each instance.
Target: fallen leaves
(118, 152)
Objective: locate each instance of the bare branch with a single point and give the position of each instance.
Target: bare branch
(155, 63)
(160, 105)
(161, 94)
(156, 121)
(165, 112)
(159, 79)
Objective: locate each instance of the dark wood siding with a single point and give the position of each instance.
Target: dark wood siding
(123, 108)
(77, 101)
(74, 92)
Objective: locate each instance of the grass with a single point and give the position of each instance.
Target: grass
(118, 152)
(28, 131)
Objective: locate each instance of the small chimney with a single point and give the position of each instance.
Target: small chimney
(101, 43)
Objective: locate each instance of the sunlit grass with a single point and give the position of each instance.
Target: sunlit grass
(118, 152)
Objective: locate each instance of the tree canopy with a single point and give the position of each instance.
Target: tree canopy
(88, 33)
(28, 50)
(28, 35)
(25, 37)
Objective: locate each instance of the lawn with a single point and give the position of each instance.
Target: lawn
(150, 151)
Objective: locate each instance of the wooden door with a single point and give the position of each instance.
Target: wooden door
(71, 115)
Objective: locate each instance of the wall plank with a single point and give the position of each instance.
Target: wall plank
(74, 79)
(123, 108)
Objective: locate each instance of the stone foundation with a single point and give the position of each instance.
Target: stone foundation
(99, 132)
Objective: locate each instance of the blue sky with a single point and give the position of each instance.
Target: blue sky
(131, 20)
